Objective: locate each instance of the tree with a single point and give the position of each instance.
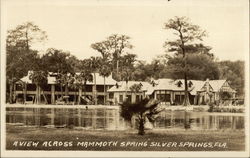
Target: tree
(85, 75)
(63, 65)
(127, 67)
(113, 47)
(233, 71)
(105, 71)
(26, 34)
(20, 56)
(39, 77)
(95, 65)
(143, 110)
(198, 67)
(187, 33)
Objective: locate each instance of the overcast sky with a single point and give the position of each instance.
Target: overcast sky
(74, 25)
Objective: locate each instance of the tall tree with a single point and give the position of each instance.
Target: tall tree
(95, 65)
(63, 65)
(105, 71)
(85, 75)
(113, 47)
(20, 56)
(127, 67)
(39, 78)
(187, 33)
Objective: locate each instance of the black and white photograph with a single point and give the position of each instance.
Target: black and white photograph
(141, 78)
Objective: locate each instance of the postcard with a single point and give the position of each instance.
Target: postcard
(105, 78)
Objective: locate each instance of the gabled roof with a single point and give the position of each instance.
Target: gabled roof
(216, 84)
(122, 86)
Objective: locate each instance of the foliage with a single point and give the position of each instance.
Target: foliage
(225, 95)
(233, 71)
(112, 48)
(199, 67)
(143, 110)
(20, 57)
(187, 33)
(135, 88)
(127, 66)
(25, 35)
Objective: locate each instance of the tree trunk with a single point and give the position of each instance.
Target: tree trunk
(186, 96)
(11, 92)
(141, 126)
(126, 90)
(24, 92)
(104, 91)
(37, 94)
(95, 95)
(117, 70)
(79, 95)
(66, 93)
(61, 90)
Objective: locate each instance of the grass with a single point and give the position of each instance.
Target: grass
(234, 139)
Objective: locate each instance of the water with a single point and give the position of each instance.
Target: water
(110, 119)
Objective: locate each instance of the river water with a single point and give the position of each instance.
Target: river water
(109, 119)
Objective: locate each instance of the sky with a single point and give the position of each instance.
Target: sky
(73, 25)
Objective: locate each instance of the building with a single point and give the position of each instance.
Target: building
(133, 91)
(212, 91)
(26, 92)
(168, 91)
(171, 92)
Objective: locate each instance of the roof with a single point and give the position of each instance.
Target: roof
(52, 79)
(100, 80)
(122, 86)
(170, 84)
(216, 84)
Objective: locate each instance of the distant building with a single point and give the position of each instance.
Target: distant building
(171, 92)
(133, 91)
(25, 91)
(168, 91)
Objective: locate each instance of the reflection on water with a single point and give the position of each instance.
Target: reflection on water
(111, 120)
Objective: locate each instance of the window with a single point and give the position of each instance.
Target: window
(120, 98)
(163, 97)
(179, 83)
(190, 84)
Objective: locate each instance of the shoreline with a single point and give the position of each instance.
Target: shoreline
(191, 108)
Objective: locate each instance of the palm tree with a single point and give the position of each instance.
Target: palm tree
(105, 71)
(95, 63)
(84, 76)
(39, 78)
(143, 110)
